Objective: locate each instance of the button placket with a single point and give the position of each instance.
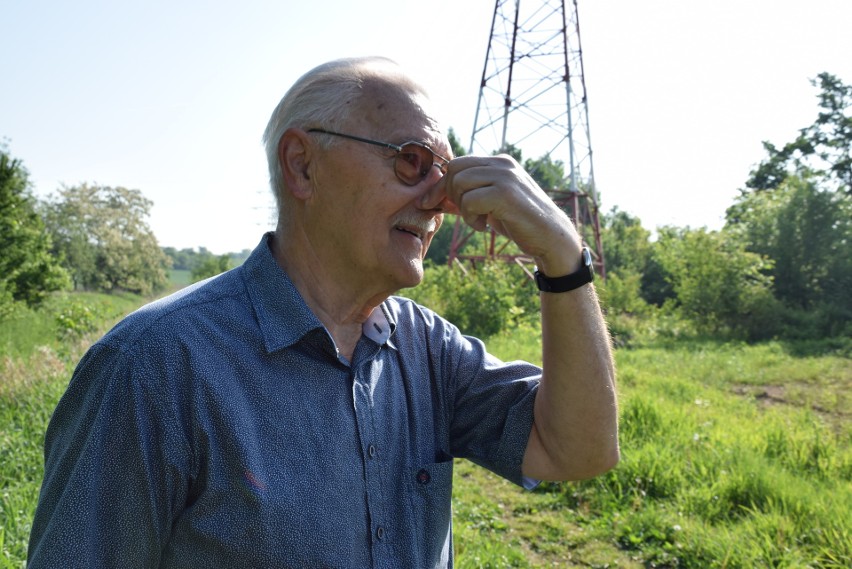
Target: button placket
(372, 468)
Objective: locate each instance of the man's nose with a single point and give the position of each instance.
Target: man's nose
(435, 196)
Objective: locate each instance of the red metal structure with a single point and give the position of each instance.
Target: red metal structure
(532, 97)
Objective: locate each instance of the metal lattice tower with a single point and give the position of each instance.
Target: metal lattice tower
(532, 98)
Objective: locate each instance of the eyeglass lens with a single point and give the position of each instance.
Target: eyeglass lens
(413, 163)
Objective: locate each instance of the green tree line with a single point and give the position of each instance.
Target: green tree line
(782, 264)
(202, 263)
(86, 237)
(781, 267)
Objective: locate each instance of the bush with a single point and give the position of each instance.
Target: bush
(623, 294)
(720, 286)
(76, 319)
(481, 301)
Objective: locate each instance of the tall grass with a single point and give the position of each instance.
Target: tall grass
(62, 319)
(713, 472)
(38, 350)
(25, 408)
(732, 456)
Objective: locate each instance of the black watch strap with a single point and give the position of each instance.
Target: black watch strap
(584, 275)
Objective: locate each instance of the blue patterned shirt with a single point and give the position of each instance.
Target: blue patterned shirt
(220, 428)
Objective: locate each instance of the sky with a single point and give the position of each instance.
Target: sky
(171, 98)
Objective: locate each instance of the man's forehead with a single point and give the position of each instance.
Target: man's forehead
(385, 100)
(432, 136)
(400, 114)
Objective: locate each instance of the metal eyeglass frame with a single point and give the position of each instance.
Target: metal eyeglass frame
(396, 147)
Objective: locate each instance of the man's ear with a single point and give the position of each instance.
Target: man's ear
(295, 152)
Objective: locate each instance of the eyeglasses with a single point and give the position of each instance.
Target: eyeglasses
(412, 162)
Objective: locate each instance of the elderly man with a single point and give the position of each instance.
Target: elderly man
(292, 412)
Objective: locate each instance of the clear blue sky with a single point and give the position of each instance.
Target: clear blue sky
(171, 98)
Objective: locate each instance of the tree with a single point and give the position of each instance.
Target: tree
(548, 174)
(719, 285)
(797, 210)
(630, 257)
(28, 272)
(182, 260)
(628, 252)
(455, 144)
(807, 231)
(822, 150)
(627, 244)
(210, 265)
(103, 235)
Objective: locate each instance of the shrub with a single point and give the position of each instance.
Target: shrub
(719, 285)
(481, 301)
(75, 319)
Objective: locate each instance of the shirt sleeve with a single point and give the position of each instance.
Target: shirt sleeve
(116, 468)
(493, 407)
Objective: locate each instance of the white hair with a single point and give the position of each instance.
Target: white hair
(323, 98)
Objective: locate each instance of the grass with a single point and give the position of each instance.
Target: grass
(714, 473)
(64, 316)
(23, 417)
(732, 456)
(38, 351)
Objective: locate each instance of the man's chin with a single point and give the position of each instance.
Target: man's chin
(413, 275)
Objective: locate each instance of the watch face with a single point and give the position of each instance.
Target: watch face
(587, 257)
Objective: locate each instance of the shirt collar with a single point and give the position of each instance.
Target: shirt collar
(377, 327)
(282, 314)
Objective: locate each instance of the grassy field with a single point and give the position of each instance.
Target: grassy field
(732, 456)
(38, 351)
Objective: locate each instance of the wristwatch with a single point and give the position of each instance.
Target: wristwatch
(584, 275)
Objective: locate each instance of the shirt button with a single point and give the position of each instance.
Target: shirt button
(380, 532)
(371, 450)
(423, 476)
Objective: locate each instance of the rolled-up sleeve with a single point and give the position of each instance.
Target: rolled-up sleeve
(493, 408)
(485, 404)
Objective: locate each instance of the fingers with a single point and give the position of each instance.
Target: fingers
(490, 189)
(496, 191)
(474, 185)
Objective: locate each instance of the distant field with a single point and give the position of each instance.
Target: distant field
(180, 277)
(732, 456)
